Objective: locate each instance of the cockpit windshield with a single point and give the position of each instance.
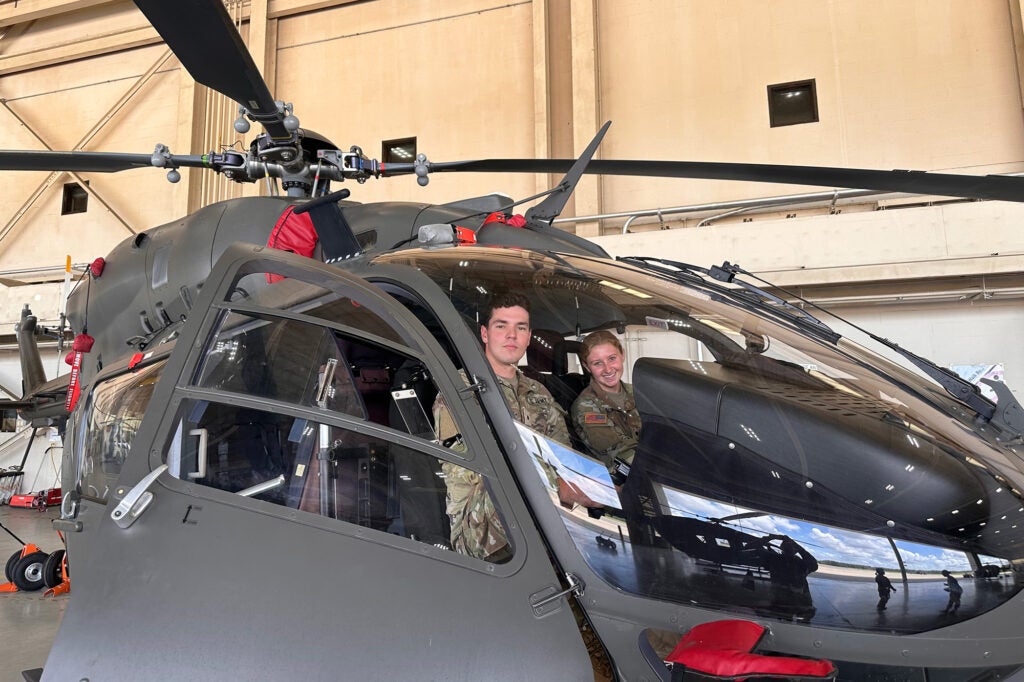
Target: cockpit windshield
(747, 465)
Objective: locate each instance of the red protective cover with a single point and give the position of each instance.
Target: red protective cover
(52, 497)
(22, 501)
(722, 648)
(293, 233)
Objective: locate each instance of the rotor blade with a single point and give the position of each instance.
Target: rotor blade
(551, 207)
(76, 162)
(998, 187)
(737, 517)
(105, 162)
(204, 39)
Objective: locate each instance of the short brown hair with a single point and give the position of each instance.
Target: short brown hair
(504, 299)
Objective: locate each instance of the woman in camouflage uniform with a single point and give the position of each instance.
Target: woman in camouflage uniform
(605, 414)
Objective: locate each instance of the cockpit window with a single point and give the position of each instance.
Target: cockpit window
(322, 406)
(327, 470)
(309, 300)
(315, 366)
(776, 472)
(110, 421)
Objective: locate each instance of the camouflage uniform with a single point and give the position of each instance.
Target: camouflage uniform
(476, 527)
(533, 405)
(608, 424)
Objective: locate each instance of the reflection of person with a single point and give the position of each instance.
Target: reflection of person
(885, 588)
(789, 568)
(605, 414)
(955, 592)
(476, 528)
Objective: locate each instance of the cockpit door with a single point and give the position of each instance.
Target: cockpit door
(283, 511)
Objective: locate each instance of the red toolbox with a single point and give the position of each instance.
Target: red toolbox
(39, 500)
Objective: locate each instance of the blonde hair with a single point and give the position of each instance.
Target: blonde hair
(596, 339)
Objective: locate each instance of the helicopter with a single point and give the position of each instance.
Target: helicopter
(254, 488)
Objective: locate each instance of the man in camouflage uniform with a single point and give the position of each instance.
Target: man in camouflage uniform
(476, 528)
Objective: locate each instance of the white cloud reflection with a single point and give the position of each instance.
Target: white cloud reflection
(826, 543)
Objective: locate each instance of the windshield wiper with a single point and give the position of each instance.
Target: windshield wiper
(1006, 414)
(748, 293)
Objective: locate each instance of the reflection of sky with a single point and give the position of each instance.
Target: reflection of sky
(589, 475)
(826, 543)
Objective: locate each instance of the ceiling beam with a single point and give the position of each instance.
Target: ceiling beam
(30, 10)
(79, 49)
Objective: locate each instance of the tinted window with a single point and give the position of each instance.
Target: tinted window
(321, 469)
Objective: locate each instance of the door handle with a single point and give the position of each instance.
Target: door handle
(68, 521)
(137, 500)
(69, 505)
(204, 439)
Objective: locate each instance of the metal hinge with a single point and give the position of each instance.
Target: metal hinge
(548, 600)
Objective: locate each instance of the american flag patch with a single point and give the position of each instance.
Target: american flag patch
(595, 418)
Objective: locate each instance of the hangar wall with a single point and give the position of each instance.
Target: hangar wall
(925, 84)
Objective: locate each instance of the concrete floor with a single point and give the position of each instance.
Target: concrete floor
(28, 621)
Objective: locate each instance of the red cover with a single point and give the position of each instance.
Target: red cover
(50, 497)
(293, 233)
(722, 648)
(22, 501)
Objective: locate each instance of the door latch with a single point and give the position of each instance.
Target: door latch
(68, 521)
(137, 499)
(545, 602)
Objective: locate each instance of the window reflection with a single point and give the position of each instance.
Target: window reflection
(111, 422)
(301, 297)
(694, 549)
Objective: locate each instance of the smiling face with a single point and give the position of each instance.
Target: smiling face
(505, 338)
(605, 364)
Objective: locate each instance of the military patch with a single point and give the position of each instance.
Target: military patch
(595, 418)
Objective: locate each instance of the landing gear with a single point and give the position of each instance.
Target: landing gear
(30, 569)
(53, 569)
(28, 572)
(9, 568)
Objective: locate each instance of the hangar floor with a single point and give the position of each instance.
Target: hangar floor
(28, 621)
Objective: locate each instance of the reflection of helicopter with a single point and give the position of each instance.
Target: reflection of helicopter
(716, 542)
(264, 501)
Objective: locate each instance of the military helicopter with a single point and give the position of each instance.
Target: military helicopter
(254, 488)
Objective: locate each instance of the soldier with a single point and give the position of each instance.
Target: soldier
(955, 592)
(605, 414)
(505, 332)
(885, 588)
